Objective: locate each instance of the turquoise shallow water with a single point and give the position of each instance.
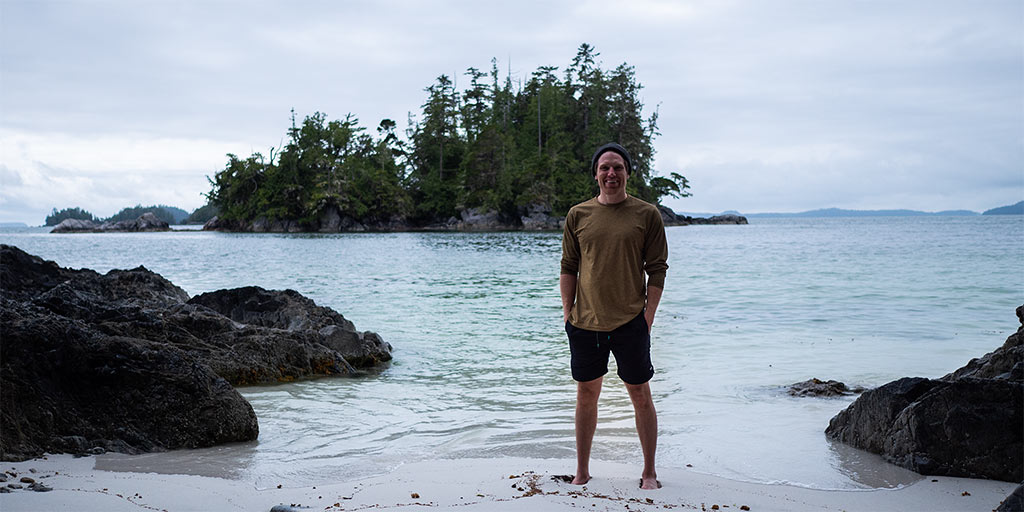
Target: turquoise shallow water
(481, 363)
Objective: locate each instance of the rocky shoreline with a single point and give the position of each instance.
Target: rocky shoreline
(145, 222)
(126, 361)
(969, 423)
(534, 217)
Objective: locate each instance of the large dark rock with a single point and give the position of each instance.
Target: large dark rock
(124, 361)
(969, 423)
(289, 311)
(67, 387)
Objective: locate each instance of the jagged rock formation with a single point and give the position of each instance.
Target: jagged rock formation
(822, 388)
(145, 222)
(969, 423)
(125, 361)
(670, 218)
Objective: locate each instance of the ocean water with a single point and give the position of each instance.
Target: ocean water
(481, 362)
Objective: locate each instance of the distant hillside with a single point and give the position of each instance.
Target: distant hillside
(1013, 209)
(168, 214)
(837, 212)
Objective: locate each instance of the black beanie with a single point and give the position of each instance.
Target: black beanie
(611, 146)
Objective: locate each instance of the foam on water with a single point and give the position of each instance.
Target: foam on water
(481, 362)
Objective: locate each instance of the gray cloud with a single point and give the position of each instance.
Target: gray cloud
(764, 105)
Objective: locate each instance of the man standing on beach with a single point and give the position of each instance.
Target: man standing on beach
(609, 242)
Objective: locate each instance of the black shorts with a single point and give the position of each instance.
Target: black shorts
(631, 344)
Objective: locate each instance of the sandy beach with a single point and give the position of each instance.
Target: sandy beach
(471, 484)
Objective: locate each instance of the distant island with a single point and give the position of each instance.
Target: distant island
(1013, 209)
(839, 212)
(1016, 209)
(170, 214)
(499, 154)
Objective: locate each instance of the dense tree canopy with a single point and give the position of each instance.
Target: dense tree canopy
(498, 144)
(168, 214)
(56, 217)
(202, 214)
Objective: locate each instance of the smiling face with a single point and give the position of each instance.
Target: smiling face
(611, 175)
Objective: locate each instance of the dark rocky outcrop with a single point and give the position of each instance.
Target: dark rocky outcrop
(330, 220)
(289, 311)
(538, 217)
(822, 388)
(969, 423)
(146, 222)
(68, 387)
(532, 217)
(671, 218)
(125, 361)
(479, 219)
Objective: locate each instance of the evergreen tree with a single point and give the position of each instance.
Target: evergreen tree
(56, 217)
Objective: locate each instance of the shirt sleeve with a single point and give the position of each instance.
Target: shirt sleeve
(655, 251)
(570, 246)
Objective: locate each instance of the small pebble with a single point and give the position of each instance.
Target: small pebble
(15, 486)
(32, 470)
(714, 507)
(39, 487)
(4, 489)
(27, 480)
(415, 495)
(965, 493)
(744, 507)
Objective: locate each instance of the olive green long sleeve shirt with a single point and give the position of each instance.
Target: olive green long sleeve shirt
(609, 248)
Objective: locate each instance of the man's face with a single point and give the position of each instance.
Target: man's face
(611, 173)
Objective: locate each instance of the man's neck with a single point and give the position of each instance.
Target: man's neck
(606, 199)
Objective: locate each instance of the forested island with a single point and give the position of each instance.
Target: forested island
(168, 214)
(498, 153)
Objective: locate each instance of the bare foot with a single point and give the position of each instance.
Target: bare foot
(650, 483)
(580, 479)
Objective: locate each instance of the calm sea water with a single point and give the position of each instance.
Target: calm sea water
(481, 360)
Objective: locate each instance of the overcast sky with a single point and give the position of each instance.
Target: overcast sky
(764, 105)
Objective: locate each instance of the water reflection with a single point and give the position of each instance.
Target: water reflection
(870, 469)
(226, 461)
